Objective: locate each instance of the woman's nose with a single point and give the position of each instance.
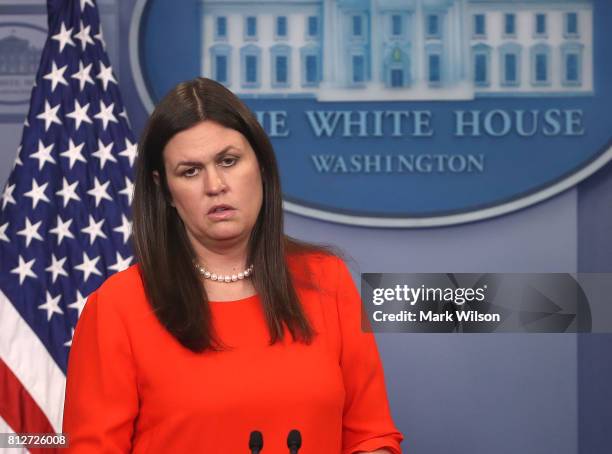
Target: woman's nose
(214, 181)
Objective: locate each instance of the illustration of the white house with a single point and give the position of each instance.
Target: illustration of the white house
(358, 50)
(20, 48)
(18, 56)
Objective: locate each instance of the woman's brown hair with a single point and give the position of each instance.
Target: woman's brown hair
(165, 255)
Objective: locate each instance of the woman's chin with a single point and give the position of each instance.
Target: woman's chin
(224, 233)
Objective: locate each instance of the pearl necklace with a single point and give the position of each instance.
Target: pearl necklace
(229, 278)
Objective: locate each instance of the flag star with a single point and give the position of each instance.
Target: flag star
(63, 37)
(125, 115)
(3, 236)
(121, 263)
(37, 193)
(84, 3)
(128, 191)
(99, 191)
(18, 158)
(73, 153)
(7, 195)
(79, 304)
(26, 123)
(130, 151)
(100, 37)
(68, 343)
(84, 36)
(49, 115)
(125, 228)
(79, 114)
(24, 269)
(62, 230)
(56, 76)
(83, 75)
(56, 268)
(106, 114)
(43, 154)
(88, 267)
(51, 305)
(106, 75)
(68, 191)
(30, 231)
(94, 230)
(103, 153)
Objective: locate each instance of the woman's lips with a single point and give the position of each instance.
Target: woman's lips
(221, 214)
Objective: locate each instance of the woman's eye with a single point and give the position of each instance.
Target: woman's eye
(228, 161)
(192, 172)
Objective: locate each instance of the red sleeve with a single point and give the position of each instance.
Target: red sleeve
(101, 394)
(367, 422)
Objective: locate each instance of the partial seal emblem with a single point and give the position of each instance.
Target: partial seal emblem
(401, 114)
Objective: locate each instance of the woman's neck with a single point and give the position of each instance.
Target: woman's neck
(222, 257)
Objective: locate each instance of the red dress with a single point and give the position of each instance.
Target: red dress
(131, 387)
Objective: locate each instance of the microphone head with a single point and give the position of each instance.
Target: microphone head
(294, 439)
(256, 440)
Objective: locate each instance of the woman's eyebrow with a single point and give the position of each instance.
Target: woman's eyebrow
(199, 163)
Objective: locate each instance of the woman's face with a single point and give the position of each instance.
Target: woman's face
(208, 166)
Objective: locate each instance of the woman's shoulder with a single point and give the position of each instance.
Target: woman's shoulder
(321, 261)
(319, 268)
(122, 290)
(128, 280)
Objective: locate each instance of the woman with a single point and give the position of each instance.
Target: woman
(226, 326)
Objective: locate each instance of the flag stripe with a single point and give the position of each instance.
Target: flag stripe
(18, 408)
(30, 362)
(14, 396)
(5, 428)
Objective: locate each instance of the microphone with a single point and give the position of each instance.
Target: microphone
(294, 441)
(256, 442)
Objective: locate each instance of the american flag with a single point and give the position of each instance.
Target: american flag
(64, 214)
